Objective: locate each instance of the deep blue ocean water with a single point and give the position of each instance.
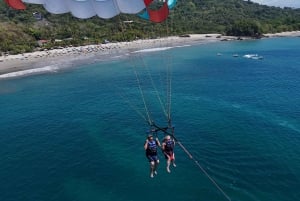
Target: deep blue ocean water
(75, 135)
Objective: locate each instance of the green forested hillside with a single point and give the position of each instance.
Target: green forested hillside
(20, 30)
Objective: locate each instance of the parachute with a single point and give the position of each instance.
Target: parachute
(106, 9)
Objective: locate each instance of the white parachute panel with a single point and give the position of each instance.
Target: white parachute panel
(89, 8)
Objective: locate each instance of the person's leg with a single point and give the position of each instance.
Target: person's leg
(168, 158)
(155, 166)
(152, 164)
(168, 165)
(173, 160)
(152, 168)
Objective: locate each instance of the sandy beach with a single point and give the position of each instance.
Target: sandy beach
(51, 60)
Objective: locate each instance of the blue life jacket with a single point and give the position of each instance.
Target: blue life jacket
(152, 147)
(169, 145)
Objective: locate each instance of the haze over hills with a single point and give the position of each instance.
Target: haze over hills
(280, 3)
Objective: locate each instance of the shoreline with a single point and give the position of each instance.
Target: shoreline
(52, 60)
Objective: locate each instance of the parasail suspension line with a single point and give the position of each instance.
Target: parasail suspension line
(156, 91)
(143, 97)
(132, 106)
(169, 91)
(164, 130)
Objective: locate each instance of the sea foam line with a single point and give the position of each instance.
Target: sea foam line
(30, 72)
(153, 49)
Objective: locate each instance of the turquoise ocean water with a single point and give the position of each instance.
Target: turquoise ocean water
(73, 136)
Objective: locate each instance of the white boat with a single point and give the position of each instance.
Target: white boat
(253, 56)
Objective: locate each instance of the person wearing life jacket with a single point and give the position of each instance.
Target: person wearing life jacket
(168, 145)
(151, 147)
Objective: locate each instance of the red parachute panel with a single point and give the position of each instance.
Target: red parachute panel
(16, 4)
(159, 15)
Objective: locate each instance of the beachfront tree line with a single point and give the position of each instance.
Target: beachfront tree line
(20, 30)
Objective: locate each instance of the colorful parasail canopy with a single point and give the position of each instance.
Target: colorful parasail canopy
(102, 8)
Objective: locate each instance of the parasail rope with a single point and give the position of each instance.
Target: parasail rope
(148, 119)
(192, 158)
(155, 90)
(132, 106)
(143, 97)
(169, 91)
(169, 76)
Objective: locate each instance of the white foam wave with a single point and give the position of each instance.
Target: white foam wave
(30, 72)
(153, 49)
(183, 46)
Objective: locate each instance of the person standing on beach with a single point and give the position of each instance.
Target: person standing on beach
(150, 147)
(168, 145)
